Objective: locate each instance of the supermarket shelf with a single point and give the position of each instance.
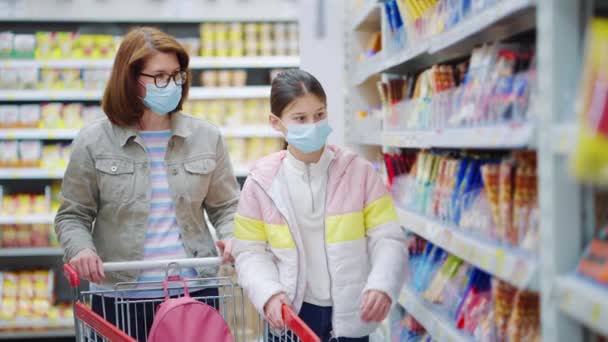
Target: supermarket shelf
(27, 219)
(514, 266)
(43, 334)
(368, 16)
(425, 313)
(585, 301)
(501, 21)
(368, 68)
(195, 62)
(30, 252)
(257, 131)
(565, 136)
(196, 93)
(508, 136)
(30, 173)
(38, 133)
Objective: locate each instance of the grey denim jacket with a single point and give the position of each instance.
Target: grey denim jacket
(107, 190)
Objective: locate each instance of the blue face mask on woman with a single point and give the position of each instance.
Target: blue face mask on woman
(308, 138)
(162, 100)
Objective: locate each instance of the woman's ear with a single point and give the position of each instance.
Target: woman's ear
(276, 124)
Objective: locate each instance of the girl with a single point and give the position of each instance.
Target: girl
(316, 228)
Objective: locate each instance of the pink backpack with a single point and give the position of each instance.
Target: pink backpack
(185, 319)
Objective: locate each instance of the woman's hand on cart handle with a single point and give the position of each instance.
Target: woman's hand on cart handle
(88, 266)
(273, 310)
(225, 247)
(375, 306)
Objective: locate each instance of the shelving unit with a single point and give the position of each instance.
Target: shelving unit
(514, 266)
(437, 326)
(30, 252)
(570, 304)
(37, 335)
(27, 219)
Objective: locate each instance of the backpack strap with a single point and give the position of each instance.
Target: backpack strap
(166, 282)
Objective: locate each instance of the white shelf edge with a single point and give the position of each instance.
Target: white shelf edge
(368, 68)
(517, 267)
(368, 9)
(195, 62)
(35, 334)
(30, 252)
(27, 219)
(584, 301)
(30, 173)
(196, 93)
(565, 135)
(478, 22)
(499, 136)
(468, 27)
(437, 326)
(245, 131)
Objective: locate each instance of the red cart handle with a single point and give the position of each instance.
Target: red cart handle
(71, 274)
(297, 325)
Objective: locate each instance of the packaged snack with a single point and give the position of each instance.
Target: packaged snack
(45, 45)
(505, 199)
(447, 272)
(51, 115)
(9, 236)
(24, 46)
(8, 308)
(239, 78)
(224, 78)
(477, 302)
(50, 78)
(24, 236)
(40, 235)
(71, 79)
(9, 116)
(503, 297)
(9, 153)
(209, 78)
(30, 153)
(6, 44)
(29, 116)
(72, 115)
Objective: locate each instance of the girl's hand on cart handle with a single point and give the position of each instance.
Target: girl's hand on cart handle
(273, 310)
(88, 265)
(226, 250)
(375, 306)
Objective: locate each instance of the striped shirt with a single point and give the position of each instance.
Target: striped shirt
(163, 238)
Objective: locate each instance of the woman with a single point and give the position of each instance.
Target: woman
(139, 181)
(316, 228)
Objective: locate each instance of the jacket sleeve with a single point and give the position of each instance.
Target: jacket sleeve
(79, 202)
(255, 265)
(385, 238)
(223, 196)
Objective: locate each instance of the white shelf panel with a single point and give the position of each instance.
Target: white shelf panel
(195, 62)
(50, 95)
(251, 92)
(478, 22)
(30, 252)
(368, 68)
(37, 133)
(508, 136)
(30, 173)
(27, 219)
(498, 22)
(368, 15)
(196, 93)
(435, 324)
(257, 131)
(565, 136)
(43, 334)
(514, 266)
(584, 301)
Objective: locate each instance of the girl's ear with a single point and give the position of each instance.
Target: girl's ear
(276, 124)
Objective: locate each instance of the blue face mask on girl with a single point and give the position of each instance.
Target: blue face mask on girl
(308, 138)
(162, 100)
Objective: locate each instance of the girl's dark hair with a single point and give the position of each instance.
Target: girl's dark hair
(291, 84)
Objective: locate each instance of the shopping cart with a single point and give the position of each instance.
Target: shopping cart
(122, 321)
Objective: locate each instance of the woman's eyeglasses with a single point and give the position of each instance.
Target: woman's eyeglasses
(162, 80)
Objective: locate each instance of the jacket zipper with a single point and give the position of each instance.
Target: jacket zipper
(333, 325)
(312, 197)
(292, 235)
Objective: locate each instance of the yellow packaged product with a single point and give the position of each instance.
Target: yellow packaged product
(65, 44)
(71, 79)
(200, 109)
(104, 46)
(8, 308)
(26, 285)
(50, 79)
(72, 115)
(10, 283)
(9, 236)
(45, 45)
(24, 204)
(51, 116)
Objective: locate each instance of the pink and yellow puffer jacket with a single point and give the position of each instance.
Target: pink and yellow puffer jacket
(364, 243)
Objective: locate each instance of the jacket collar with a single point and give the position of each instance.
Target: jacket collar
(265, 170)
(180, 126)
